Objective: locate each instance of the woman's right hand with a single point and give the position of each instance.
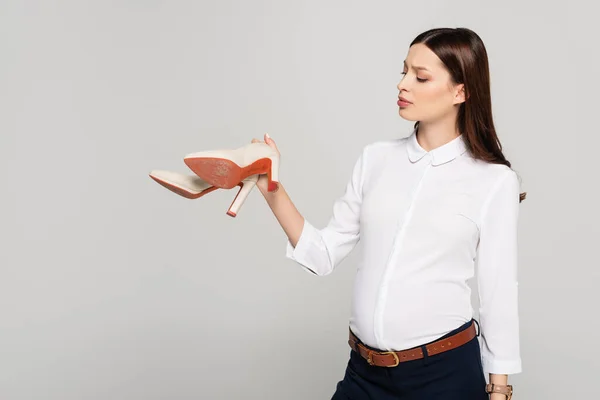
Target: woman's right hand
(263, 180)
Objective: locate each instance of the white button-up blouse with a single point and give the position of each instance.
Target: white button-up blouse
(427, 220)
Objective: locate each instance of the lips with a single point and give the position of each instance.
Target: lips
(403, 103)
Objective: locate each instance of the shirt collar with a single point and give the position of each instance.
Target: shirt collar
(439, 155)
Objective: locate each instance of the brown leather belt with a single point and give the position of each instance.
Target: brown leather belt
(393, 358)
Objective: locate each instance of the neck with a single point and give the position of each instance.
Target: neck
(434, 134)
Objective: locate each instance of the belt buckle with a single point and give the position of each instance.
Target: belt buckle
(396, 358)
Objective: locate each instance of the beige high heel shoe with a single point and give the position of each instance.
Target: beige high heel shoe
(193, 187)
(225, 168)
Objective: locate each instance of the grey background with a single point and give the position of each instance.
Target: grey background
(112, 287)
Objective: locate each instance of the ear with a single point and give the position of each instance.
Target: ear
(459, 94)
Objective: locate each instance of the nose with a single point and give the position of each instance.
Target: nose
(402, 85)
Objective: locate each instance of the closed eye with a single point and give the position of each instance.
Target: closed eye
(418, 79)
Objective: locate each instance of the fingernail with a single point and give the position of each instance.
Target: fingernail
(267, 136)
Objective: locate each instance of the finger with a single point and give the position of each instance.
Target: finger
(270, 141)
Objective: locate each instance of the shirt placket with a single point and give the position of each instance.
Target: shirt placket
(397, 243)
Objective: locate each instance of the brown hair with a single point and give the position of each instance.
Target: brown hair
(463, 53)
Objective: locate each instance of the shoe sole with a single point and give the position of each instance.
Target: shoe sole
(226, 174)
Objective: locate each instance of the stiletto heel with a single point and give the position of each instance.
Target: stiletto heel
(246, 187)
(193, 187)
(274, 175)
(226, 168)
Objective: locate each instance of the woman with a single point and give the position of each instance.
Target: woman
(431, 209)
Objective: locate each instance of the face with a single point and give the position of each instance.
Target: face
(427, 85)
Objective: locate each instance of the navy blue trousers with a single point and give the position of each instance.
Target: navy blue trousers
(452, 375)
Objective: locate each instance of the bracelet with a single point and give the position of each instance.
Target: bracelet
(503, 389)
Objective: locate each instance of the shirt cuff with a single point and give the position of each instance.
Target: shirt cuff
(300, 253)
(506, 367)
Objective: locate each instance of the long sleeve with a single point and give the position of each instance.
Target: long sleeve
(319, 251)
(496, 263)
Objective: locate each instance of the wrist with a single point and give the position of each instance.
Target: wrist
(265, 191)
(266, 194)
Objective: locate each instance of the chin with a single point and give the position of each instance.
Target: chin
(407, 115)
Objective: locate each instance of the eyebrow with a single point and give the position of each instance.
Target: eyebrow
(417, 67)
